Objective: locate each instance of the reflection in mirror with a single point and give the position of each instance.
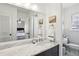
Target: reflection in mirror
(19, 26)
(30, 24)
(20, 29)
(25, 20)
(38, 27)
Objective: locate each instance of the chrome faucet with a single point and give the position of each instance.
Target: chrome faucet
(34, 41)
(40, 39)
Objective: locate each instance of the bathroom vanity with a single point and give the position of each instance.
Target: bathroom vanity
(39, 49)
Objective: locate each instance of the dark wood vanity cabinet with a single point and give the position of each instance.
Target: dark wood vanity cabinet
(54, 51)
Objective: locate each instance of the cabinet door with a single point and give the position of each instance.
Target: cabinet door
(50, 52)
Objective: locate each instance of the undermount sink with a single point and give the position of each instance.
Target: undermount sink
(45, 43)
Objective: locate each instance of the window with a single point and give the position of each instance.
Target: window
(75, 22)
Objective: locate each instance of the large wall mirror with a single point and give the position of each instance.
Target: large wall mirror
(29, 24)
(20, 24)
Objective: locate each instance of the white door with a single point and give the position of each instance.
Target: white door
(4, 28)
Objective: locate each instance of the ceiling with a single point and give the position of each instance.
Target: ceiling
(39, 6)
(66, 5)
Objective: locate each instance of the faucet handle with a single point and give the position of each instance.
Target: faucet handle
(34, 41)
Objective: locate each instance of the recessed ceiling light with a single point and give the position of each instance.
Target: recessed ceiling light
(34, 7)
(27, 5)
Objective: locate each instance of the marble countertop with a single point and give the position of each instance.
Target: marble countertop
(27, 49)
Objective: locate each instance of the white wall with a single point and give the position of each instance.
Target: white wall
(67, 16)
(10, 11)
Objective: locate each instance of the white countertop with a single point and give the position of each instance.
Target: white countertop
(28, 49)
